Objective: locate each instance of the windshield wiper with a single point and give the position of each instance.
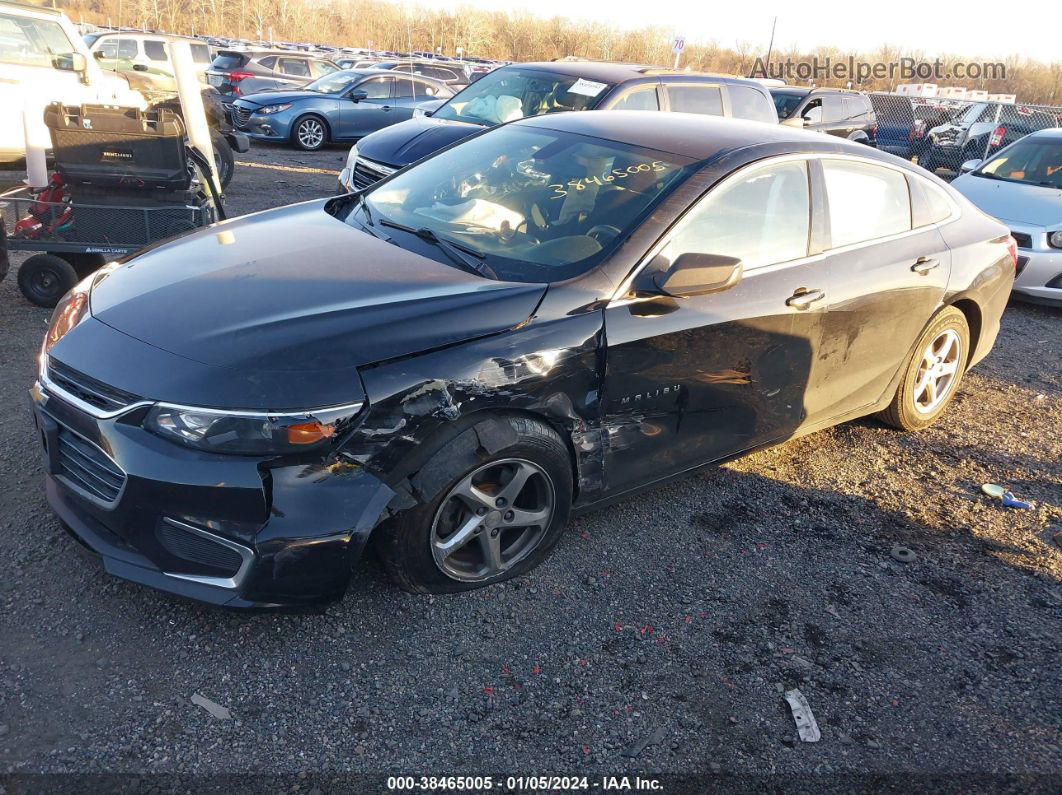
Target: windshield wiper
(465, 256)
(368, 227)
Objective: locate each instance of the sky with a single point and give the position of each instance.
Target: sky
(973, 27)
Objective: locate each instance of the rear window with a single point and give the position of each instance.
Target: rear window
(748, 103)
(228, 60)
(696, 99)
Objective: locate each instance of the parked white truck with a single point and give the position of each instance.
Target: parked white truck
(43, 59)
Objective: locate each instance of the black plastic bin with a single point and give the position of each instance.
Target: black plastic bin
(125, 148)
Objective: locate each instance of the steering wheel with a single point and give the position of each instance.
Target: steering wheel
(606, 231)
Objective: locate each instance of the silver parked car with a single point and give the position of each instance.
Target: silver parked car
(1021, 185)
(240, 73)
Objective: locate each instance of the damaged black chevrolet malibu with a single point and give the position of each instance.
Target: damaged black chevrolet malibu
(535, 321)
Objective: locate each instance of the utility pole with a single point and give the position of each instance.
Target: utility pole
(770, 47)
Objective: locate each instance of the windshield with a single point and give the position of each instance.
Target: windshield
(1036, 161)
(334, 83)
(534, 205)
(785, 103)
(509, 94)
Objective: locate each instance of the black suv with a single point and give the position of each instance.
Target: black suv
(837, 111)
(523, 90)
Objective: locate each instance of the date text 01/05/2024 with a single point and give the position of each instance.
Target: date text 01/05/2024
(521, 783)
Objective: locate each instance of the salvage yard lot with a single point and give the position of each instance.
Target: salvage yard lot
(677, 617)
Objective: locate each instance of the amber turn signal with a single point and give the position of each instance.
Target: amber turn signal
(309, 432)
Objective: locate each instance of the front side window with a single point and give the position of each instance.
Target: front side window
(761, 216)
(537, 205)
(639, 99)
(380, 88)
(786, 102)
(127, 49)
(867, 202)
(32, 42)
(706, 100)
(511, 93)
(321, 68)
(748, 103)
(1032, 161)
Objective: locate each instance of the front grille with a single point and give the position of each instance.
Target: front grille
(88, 389)
(240, 116)
(87, 467)
(1023, 240)
(368, 173)
(195, 548)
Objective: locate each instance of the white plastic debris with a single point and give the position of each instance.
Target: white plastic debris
(215, 709)
(807, 728)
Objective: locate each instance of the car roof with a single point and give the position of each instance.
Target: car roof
(795, 91)
(698, 136)
(614, 72)
(1053, 133)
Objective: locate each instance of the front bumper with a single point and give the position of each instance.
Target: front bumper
(1039, 266)
(229, 530)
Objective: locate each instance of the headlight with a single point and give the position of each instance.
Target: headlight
(352, 155)
(267, 109)
(73, 307)
(1054, 239)
(248, 432)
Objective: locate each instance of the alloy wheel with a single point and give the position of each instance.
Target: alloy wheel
(311, 133)
(938, 371)
(494, 517)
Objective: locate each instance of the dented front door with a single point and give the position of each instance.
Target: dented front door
(698, 379)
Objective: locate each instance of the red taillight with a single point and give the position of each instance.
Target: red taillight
(1012, 248)
(997, 136)
(236, 77)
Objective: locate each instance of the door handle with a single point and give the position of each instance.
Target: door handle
(386, 107)
(924, 265)
(803, 298)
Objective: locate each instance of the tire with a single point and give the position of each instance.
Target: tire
(224, 161)
(301, 133)
(927, 161)
(913, 407)
(422, 547)
(45, 278)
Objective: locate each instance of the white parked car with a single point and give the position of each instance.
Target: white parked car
(43, 59)
(1021, 185)
(145, 58)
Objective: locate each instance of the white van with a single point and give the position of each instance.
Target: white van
(145, 58)
(42, 58)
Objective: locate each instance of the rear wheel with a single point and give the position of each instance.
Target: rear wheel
(490, 516)
(933, 373)
(224, 161)
(45, 278)
(309, 133)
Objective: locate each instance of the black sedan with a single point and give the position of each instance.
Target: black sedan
(535, 321)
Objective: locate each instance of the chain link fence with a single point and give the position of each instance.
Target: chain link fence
(941, 134)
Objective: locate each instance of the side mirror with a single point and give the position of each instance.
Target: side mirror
(98, 55)
(970, 165)
(798, 123)
(358, 95)
(72, 62)
(698, 274)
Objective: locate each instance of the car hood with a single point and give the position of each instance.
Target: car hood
(297, 290)
(403, 143)
(276, 97)
(1012, 201)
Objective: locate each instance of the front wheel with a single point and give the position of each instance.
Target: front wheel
(488, 517)
(224, 161)
(933, 373)
(309, 134)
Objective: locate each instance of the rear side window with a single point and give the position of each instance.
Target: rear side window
(641, 99)
(322, 68)
(296, 67)
(696, 99)
(867, 202)
(155, 50)
(928, 203)
(762, 217)
(748, 103)
(424, 90)
(403, 88)
(833, 108)
(200, 53)
(229, 61)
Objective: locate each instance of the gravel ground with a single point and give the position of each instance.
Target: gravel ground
(657, 638)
